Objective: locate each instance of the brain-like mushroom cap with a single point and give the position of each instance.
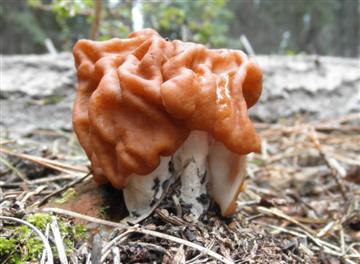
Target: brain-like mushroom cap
(139, 98)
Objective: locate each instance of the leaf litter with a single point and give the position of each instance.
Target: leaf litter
(301, 205)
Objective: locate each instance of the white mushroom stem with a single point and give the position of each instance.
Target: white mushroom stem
(207, 168)
(143, 191)
(192, 156)
(227, 172)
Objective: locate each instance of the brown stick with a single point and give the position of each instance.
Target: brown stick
(67, 186)
(96, 23)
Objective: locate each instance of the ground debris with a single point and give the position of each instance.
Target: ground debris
(301, 205)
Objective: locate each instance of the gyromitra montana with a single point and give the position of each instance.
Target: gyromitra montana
(147, 109)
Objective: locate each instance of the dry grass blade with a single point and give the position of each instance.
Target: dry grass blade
(285, 230)
(88, 259)
(278, 213)
(116, 241)
(181, 241)
(144, 231)
(96, 249)
(326, 229)
(116, 255)
(315, 139)
(179, 257)
(39, 181)
(84, 217)
(58, 241)
(44, 240)
(67, 186)
(17, 172)
(47, 232)
(151, 246)
(47, 162)
(327, 247)
(52, 179)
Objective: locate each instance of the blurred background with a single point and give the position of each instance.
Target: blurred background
(308, 51)
(323, 27)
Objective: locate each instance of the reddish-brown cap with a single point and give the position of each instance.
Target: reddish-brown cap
(139, 98)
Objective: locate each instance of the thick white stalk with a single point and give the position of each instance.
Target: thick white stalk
(192, 156)
(143, 191)
(207, 168)
(226, 173)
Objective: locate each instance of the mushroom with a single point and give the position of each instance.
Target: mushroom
(148, 109)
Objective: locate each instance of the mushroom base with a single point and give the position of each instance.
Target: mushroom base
(205, 167)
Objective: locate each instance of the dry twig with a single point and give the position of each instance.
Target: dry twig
(144, 231)
(58, 241)
(67, 186)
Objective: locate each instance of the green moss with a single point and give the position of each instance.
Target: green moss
(40, 220)
(22, 246)
(80, 232)
(67, 196)
(32, 249)
(6, 245)
(75, 232)
(8, 252)
(22, 232)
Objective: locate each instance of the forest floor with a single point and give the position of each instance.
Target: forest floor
(301, 205)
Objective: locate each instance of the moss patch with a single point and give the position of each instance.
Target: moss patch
(67, 196)
(20, 244)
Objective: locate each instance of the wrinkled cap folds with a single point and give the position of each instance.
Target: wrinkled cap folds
(139, 98)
